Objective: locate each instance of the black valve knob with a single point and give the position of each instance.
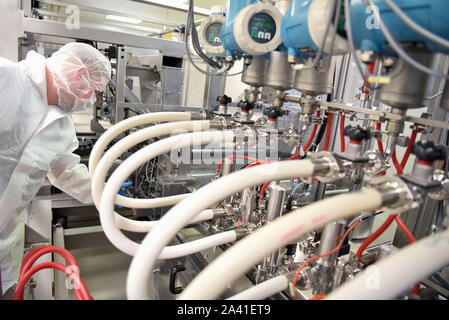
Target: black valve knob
(273, 113)
(428, 151)
(246, 106)
(357, 133)
(224, 99)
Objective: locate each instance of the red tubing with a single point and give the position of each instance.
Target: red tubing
(375, 235)
(262, 190)
(409, 148)
(239, 157)
(35, 254)
(328, 131)
(404, 229)
(396, 163)
(18, 293)
(342, 132)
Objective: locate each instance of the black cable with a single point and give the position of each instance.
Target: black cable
(319, 137)
(194, 36)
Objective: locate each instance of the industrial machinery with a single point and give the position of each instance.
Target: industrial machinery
(289, 192)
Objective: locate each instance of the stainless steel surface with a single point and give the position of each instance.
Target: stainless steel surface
(254, 74)
(167, 47)
(409, 88)
(313, 83)
(279, 73)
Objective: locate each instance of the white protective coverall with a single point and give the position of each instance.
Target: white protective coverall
(36, 141)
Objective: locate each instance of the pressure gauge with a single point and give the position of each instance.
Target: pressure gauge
(257, 29)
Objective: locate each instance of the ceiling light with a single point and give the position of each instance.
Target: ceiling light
(123, 19)
(179, 4)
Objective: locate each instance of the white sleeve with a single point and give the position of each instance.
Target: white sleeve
(72, 177)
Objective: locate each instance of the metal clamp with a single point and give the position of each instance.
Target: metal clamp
(396, 193)
(328, 167)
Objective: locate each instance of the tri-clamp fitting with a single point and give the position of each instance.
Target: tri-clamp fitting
(397, 195)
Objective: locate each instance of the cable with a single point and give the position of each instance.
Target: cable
(337, 248)
(398, 48)
(416, 27)
(351, 41)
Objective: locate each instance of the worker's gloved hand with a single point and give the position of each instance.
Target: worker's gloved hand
(79, 72)
(122, 191)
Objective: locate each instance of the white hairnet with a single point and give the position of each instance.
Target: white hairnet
(78, 70)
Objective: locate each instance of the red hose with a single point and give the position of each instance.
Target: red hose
(342, 132)
(328, 131)
(375, 235)
(379, 141)
(409, 148)
(24, 278)
(239, 157)
(411, 239)
(396, 163)
(262, 190)
(36, 253)
(404, 229)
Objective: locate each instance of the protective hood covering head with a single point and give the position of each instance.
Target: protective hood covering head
(78, 70)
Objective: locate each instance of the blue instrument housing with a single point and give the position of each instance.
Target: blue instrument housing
(429, 14)
(227, 31)
(295, 30)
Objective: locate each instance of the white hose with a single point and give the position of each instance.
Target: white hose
(106, 162)
(117, 238)
(128, 142)
(140, 272)
(123, 126)
(242, 256)
(188, 248)
(146, 226)
(263, 290)
(393, 275)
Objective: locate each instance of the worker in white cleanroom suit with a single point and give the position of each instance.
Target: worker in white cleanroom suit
(38, 137)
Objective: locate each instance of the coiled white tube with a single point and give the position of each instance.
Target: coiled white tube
(117, 238)
(121, 127)
(393, 275)
(106, 162)
(249, 251)
(140, 274)
(263, 290)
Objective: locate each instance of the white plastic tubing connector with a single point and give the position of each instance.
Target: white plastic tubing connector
(386, 279)
(237, 260)
(140, 274)
(139, 158)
